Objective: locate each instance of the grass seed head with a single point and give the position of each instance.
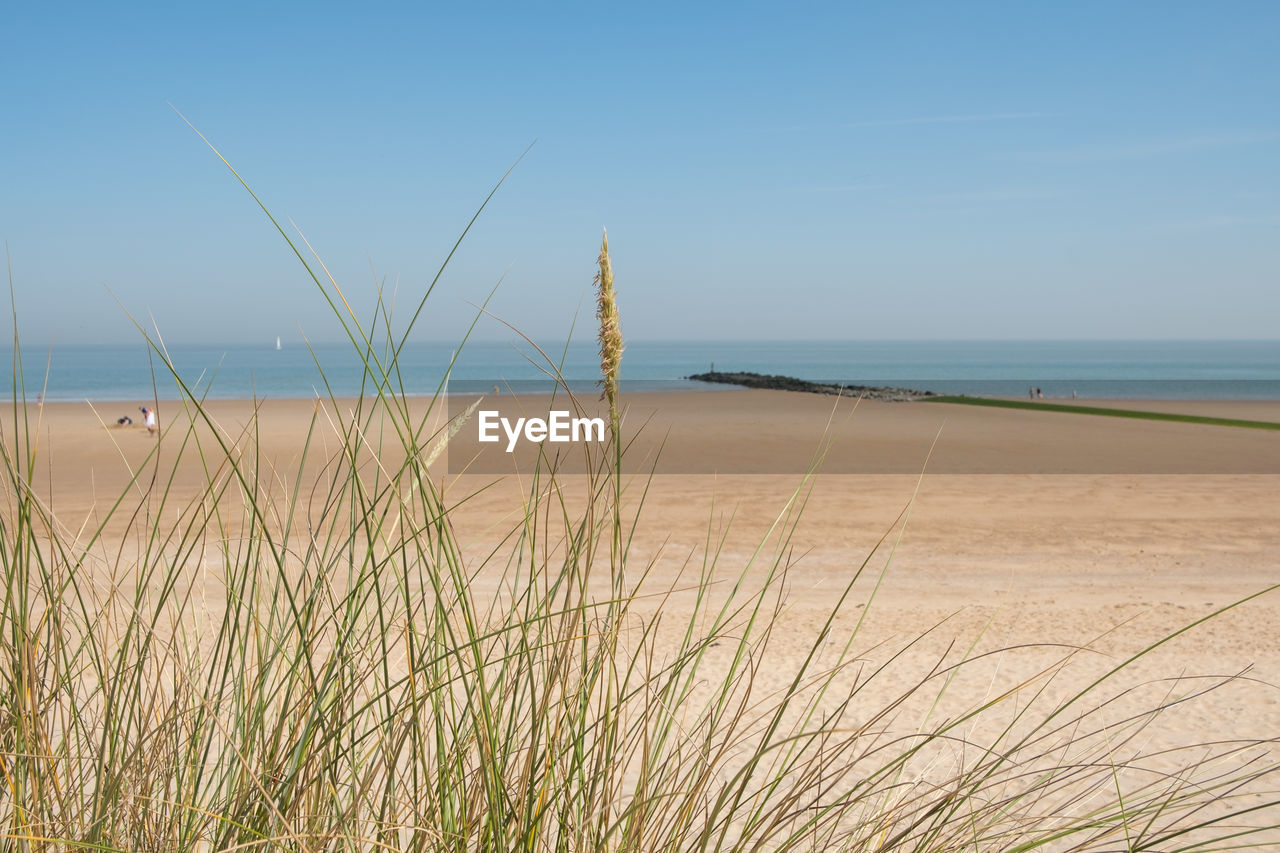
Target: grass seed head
(610, 330)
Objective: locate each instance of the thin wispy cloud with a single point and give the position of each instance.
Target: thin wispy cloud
(1141, 149)
(1214, 223)
(838, 188)
(966, 118)
(998, 195)
(993, 195)
(949, 119)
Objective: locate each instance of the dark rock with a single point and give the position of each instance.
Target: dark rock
(790, 383)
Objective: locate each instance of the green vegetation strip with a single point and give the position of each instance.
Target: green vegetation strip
(1105, 412)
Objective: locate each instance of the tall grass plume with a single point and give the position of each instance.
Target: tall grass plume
(610, 333)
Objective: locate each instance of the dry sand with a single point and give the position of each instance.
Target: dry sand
(1036, 509)
(1024, 527)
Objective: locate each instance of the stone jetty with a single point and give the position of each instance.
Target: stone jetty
(790, 383)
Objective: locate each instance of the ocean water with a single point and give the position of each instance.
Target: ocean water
(1089, 369)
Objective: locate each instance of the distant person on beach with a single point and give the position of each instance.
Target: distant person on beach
(149, 419)
(1031, 393)
(1039, 394)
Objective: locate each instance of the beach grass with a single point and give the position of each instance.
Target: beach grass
(1101, 411)
(314, 659)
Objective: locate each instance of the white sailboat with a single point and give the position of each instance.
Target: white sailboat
(277, 342)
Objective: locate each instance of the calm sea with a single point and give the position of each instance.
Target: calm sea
(1089, 369)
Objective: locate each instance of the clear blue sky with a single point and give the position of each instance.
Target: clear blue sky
(831, 170)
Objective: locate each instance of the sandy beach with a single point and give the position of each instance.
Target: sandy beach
(991, 528)
(1035, 509)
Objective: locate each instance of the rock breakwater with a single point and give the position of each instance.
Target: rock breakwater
(789, 383)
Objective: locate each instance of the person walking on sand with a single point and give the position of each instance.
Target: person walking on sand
(149, 420)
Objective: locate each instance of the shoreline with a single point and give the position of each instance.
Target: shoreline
(1271, 403)
(803, 403)
(734, 432)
